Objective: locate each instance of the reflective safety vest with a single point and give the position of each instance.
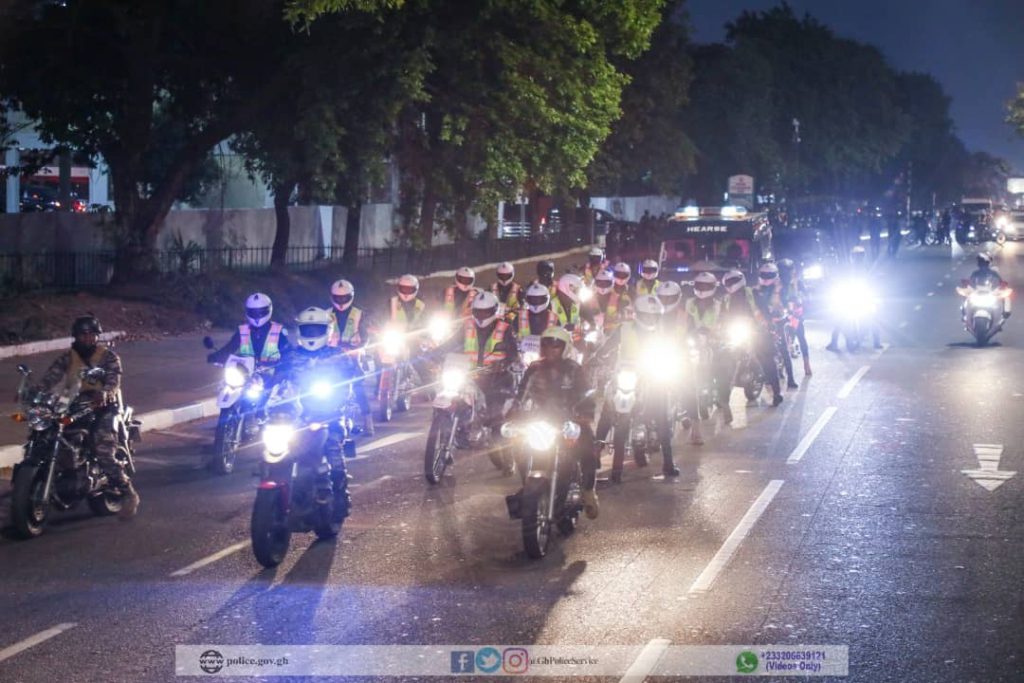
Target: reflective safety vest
(271, 352)
(467, 304)
(646, 286)
(524, 321)
(613, 308)
(741, 304)
(629, 342)
(509, 296)
(350, 335)
(471, 348)
(570, 317)
(401, 317)
(708, 319)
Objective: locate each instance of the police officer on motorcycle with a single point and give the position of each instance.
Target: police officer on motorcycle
(739, 303)
(793, 294)
(458, 297)
(508, 291)
(258, 338)
(648, 278)
(349, 334)
(768, 295)
(546, 275)
(594, 266)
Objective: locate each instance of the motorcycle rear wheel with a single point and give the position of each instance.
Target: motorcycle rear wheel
(386, 409)
(536, 527)
(27, 517)
(269, 528)
(435, 458)
(225, 443)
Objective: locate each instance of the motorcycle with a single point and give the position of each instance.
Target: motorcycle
(240, 400)
(456, 405)
(854, 306)
(59, 468)
(984, 309)
(298, 490)
(749, 373)
(396, 380)
(551, 496)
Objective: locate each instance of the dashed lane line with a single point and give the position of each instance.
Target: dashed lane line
(810, 436)
(852, 382)
(645, 662)
(707, 577)
(210, 559)
(32, 641)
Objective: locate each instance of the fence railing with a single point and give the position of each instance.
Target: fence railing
(70, 270)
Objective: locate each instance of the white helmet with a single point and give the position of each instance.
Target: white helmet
(342, 295)
(768, 274)
(537, 298)
(649, 269)
(408, 287)
(464, 278)
(648, 311)
(603, 281)
(570, 285)
(596, 251)
(622, 273)
(669, 293)
(314, 328)
(485, 309)
(505, 272)
(258, 309)
(734, 281)
(704, 285)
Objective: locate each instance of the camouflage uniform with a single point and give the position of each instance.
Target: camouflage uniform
(63, 374)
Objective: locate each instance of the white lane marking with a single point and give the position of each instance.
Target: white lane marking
(988, 475)
(947, 276)
(931, 293)
(805, 443)
(210, 559)
(917, 307)
(939, 283)
(32, 641)
(645, 662)
(389, 440)
(903, 324)
(151, 461)
(879, 352)
(721, 559)
(852, 382)
(182, 435)
(370, 484)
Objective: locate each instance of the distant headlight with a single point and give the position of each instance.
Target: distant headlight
(814, 272)
(452, 381)
(276, 439)
(321, 389)
(626, 380)
(739, 333)
(392, 342)
(586, 294)
(1002, 222)
(439, 328)
(234, 376)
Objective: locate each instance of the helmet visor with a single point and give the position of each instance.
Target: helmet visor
(704, 286)
(767, 276)
(407, 290)
(649, 270)
(464, 279)
(551, 343)
(537, 300)
(484, 314)
(257, 313)
(312, 330)
(342, 299)
(603, 283)
(731, 282)
(669, 300)
(504, 277)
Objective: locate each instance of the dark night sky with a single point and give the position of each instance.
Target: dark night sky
(974, 48)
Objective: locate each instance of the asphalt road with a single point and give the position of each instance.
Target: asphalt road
(869, 535)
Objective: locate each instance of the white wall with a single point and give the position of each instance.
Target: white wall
(632, 208)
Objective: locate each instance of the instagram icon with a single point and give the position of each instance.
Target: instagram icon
(515, 660)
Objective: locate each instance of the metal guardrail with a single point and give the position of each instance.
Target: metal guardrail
(70, 270)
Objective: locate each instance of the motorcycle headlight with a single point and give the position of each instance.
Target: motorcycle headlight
(591, 337)
(530, 357)
(586, 294)
(255, 388)
(321, 389)
(570, 430)
(626, 380)
(983, 300)
(439, 328)
(276, 439)
(660, 361)
(392, 342)
(814, 272)
(739, 333)
(853, 300)
(39, 419)
(452, 380)
(234, 376)
(1002, 222)
(540, 436)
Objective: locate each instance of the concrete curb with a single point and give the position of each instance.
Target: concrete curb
(155, 419)
(486, 266)
(44, 346)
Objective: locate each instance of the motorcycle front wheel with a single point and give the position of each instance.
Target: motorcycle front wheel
(225, 442)
(536, 526)
(28, 512)
(269, 528)
(105, 504)
(437, 456)
(982, 327)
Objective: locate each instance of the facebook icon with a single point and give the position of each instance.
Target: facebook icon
(463, 661)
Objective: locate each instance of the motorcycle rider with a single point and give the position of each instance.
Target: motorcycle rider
(610, 300)
(458, 297)
(857, 268)
(566, 303)
(594, 266)
(556, 382)
(768, 295)
(508, 291)
(314, 353)
(739, 302)
(648, 278)
(104, 397)
(536, 314)
(670, 294)
(704, 316)
(350, 333)
(406, 306)
(793, 293)
(546, 275)
(258, 338)
(987, 276)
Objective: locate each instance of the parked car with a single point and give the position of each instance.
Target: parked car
(46, 198)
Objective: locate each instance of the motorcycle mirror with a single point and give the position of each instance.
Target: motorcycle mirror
(23, 369)
(208, 342)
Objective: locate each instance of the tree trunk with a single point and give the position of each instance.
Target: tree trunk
(353, 219)
(428, 210)
(279, 252)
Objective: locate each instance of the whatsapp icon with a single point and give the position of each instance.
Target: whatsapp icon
(746, 662)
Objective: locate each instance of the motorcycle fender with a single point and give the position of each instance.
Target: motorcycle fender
(983, 313)
(442, 402)
(228, 397)
(623, 402)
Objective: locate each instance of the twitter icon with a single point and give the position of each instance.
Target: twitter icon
(488, 660)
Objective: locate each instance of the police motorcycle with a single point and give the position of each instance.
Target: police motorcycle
(59, 467)
(399, 379)
(455, 405)
(240, 400)
(552, 496)
(741, 337)
(298, 491)
(854, 306)
(984, 308)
